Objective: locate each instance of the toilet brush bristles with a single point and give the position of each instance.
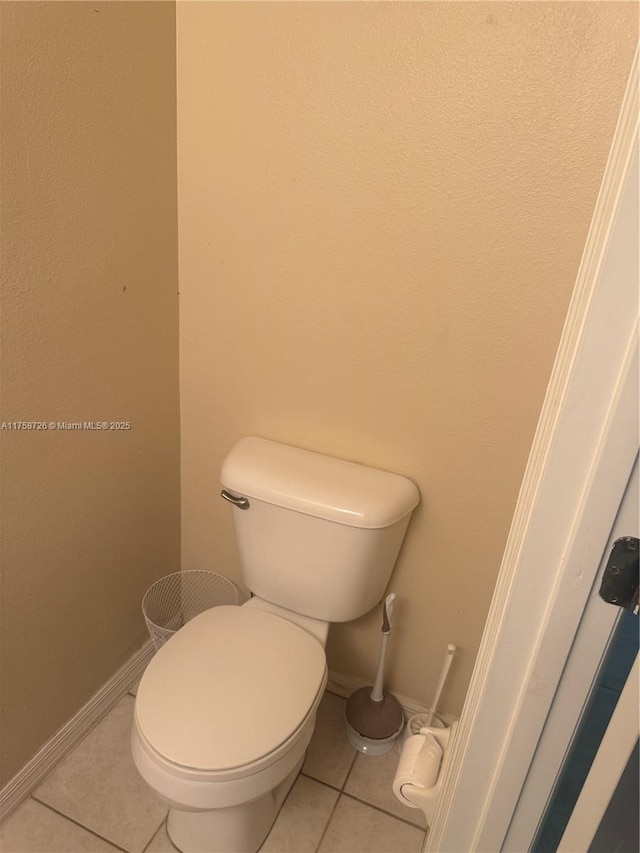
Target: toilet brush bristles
(374, 720)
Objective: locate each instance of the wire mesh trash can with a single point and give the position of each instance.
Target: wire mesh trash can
(174, 599)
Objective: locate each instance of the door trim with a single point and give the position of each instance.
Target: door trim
(567, 492)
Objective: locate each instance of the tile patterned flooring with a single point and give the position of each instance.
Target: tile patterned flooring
(95, 802)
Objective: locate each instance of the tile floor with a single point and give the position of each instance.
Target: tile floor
(95, 802)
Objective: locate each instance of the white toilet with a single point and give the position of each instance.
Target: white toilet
(226, 708)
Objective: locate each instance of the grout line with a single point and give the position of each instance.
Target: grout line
(164, 820)
(320, 782)
(364, 802)
(338, 788)
(351, 766)
(81, 825)
(384, 811)
(330, 818)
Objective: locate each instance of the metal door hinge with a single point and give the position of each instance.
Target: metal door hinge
(620, 579)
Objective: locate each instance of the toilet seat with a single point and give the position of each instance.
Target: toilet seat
(228, 695)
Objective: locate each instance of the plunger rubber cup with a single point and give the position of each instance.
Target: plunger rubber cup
(372, 727)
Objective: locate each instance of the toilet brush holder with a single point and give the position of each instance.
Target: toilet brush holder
(418, 722)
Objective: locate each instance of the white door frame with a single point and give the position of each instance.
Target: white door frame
(582, 455)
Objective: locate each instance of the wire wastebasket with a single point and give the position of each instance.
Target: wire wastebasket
(175, 599)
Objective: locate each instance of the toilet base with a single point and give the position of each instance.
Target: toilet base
(235, 829)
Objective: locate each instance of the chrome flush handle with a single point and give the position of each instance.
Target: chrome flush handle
(237, 500)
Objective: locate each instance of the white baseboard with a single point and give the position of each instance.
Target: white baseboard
(345, 685)
(73, 730)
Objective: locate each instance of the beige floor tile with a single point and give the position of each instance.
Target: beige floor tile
(302, 819)
(33, 828)
(161, 843)
(98, 786)
(371, 779)
(357, 828)
(329, 755)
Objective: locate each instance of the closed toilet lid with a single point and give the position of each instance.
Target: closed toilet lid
(229, 688)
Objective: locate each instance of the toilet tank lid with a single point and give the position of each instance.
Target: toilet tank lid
(318, 485)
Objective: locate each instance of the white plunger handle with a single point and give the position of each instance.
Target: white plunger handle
(448, 658)
(377, 692)
(388, 606)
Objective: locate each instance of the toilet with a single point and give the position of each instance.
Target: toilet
(225, 710)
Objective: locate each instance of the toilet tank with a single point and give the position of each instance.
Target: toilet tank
(319, 535)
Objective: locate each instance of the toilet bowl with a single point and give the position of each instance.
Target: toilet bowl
(226, 708)
(223, 716)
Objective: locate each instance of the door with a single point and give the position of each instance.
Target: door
(605, 816)
(597, 668)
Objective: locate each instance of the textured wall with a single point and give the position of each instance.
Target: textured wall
(89, 332)
(382, 212)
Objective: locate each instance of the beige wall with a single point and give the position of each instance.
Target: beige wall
(89, 332)
(382, 212)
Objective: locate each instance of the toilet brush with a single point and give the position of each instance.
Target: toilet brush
(374, 718)
(419, 722)
(444, 672)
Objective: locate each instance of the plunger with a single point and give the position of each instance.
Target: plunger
(374, 718)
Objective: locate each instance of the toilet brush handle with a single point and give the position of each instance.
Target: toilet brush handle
(448, 658)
